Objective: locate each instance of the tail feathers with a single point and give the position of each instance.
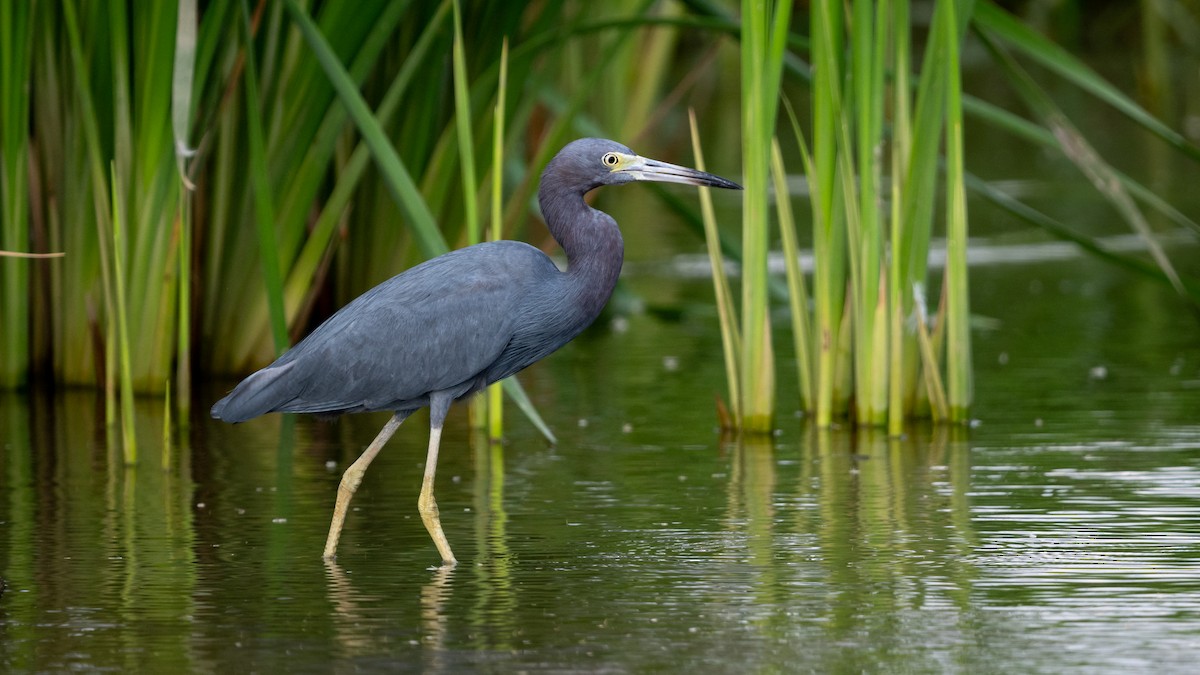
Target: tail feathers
(263, 392)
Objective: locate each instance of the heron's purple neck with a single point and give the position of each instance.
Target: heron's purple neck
(591, 240)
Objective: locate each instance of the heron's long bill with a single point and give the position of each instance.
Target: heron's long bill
(642, 168)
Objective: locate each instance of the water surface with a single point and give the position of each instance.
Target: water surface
(1060, 533)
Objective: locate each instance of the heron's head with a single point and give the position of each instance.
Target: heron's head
(589, 163)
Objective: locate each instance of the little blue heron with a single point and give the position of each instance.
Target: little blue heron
(450, 326)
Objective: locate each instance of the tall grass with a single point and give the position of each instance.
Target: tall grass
(124, 358)
(764, 36)
(16, 40)
(858, 353)
(118, 88)
(829, 284)
(731, 338)
(495, 392)
(336, 143)
(883, 147)
(268, 237)
(957, 316)
(182, 79)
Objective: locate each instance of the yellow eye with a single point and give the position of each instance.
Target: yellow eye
(610, 159)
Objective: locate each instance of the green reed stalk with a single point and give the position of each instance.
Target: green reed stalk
(183, 354)
(901, 141)
(268, 242)
(930, 363)
(910, 252)
(1063, 232)
(731, 339)
(147, 181)
(182, 78)
(396, 176)
(1076, 148)
(1154, 74)
(957, 317)
(986, 15)
(466, 140)
(302, 123)
(828, 228)
(863, 111)
(495, 394)
(901, 64)
(466, 163)
(125, 359)
(16, 31)
(994, 25)
(101, 213)
(348, 179)
(797, 290)
(764, 36)
(870, 149)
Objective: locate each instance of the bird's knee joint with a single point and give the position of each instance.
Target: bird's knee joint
(351, 480)
(427, 506)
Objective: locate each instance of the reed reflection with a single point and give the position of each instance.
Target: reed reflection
(881, 522)
(492, 614)
(83, 530)
(890, 528)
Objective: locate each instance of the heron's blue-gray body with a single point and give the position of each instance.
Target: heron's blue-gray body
(453, 324)
(450, 326)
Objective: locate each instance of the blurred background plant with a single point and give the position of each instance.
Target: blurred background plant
(209, 264)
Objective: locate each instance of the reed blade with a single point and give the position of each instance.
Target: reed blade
(994, 20)
(264, 207)
(797, 290)
(764, 33)
(397, 178)
(121, 325)
(828, 210)
(731, 339)
(16, 30)
(1077, 148)
(495, 395)
(956, 288)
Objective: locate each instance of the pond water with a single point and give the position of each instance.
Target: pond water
(1060, 533)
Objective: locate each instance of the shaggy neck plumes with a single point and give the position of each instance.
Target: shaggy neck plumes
(590, 238)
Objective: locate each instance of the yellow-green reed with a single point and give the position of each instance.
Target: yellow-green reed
(182, 79)
(264, 207)
(495, 392)
(797, 288)
(392, 169)
(764, 41)
(16, 39)
(901, 144)
(466, 156)
(121, 325)
(731, 340)
(829, 283)
(957, 317)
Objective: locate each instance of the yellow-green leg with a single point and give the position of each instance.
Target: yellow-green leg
(351, 480)
(426, 504)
